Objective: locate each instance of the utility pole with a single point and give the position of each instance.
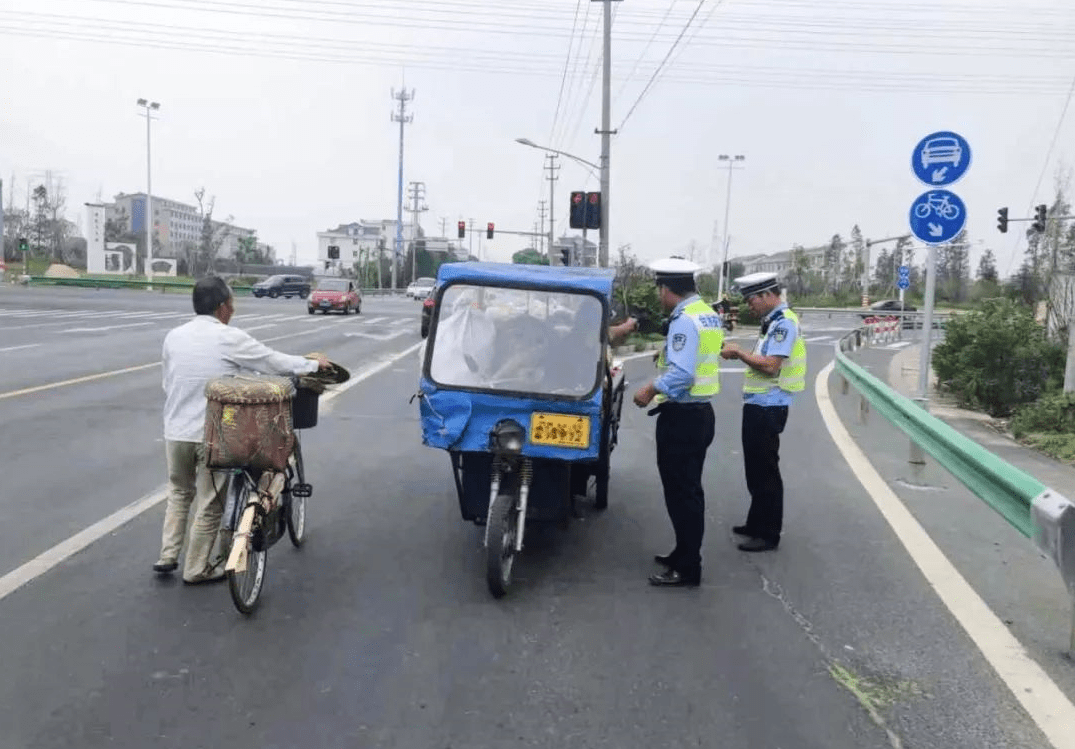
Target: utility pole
(417, 195)
(732, 161)
(402, 96)
(149, 107)
(443, 226)
(606, 132)
(552, 168)
(541, 213)
(471, 233)
(866, 267)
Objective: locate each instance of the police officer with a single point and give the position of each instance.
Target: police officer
(776, 371)
(689, 368)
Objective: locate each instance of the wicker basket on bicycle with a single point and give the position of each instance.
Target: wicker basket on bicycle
(248, 422)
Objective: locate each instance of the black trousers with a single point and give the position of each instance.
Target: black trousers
(762, 426)
(684, 433)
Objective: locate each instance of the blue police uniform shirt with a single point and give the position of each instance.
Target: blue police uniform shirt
(779, 340)
(681, 353)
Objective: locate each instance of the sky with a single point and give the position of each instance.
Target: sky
(282, 110)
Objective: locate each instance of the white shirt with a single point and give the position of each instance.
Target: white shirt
(202, 349)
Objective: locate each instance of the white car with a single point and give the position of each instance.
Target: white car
(420, 288)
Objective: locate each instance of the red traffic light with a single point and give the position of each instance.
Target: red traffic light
(576, 197)
(593, 197)
(462, 229)
(489, 230)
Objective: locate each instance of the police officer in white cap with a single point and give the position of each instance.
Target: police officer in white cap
(776, 371)
(689, 373)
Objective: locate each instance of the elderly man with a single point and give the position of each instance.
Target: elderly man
(193, 354)
(689, 376)
(776, 371)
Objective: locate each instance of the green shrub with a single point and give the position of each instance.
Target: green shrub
(1053, 413)
(998, 358)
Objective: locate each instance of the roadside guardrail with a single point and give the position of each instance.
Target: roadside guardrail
(1035, 510)
(163, 283)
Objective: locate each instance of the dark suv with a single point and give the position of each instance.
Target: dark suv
(286, 286)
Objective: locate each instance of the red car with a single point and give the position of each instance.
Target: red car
(427, 310)
(335, 294)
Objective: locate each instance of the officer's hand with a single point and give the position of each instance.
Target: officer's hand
(644, 395)
(729, 351)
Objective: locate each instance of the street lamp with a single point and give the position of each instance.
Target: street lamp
(731, 162)
(149, 107)
(552, 198)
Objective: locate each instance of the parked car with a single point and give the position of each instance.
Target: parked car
(335, 295)
(888, 306)
(419, 289)
(285, 286)
(427, 310)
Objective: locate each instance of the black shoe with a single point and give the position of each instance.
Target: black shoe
(673, 579)
(757, 544)
(668, 560)
(164, 568)
(743, 530)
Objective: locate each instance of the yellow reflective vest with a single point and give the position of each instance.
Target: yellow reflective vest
(792, 375)
(707, 361)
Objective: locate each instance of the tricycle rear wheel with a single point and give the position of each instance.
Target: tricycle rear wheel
(500, 544)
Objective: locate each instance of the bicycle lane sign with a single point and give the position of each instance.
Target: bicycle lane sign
(937, 216)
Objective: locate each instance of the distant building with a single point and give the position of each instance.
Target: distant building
(583, 254)
(357, 240)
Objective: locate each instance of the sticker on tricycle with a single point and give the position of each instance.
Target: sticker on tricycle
(560, 430)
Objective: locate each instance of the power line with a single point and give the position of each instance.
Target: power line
(567, 63)
(645, 49)
(1044, 166)
(660, 67)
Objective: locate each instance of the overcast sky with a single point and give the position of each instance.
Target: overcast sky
(282, 110)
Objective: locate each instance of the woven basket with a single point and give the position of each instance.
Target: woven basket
(248, 422)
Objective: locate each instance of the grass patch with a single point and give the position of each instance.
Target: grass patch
(1058, 446)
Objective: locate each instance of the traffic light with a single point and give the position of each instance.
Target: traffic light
(462, 229)
(333, 252)
(24, 244)
(1039, 218)
(578, 211)
(489, 230)
(565, 255)
(593, 210)
(1002, 220)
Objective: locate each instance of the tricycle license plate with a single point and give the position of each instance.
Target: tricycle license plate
(560, 430)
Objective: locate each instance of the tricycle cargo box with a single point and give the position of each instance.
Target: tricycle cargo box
(248, 422)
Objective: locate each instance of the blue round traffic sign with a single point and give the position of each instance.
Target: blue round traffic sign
(937, 216)
(904, 282)
(941, 158)
(904, 271)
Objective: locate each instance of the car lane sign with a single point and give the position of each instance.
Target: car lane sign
(941, 158)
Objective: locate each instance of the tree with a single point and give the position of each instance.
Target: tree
(987, 267)
(213, 235)
(853, 260)
(834, 256)
(800, 268)
(529, 256)
(956, 267)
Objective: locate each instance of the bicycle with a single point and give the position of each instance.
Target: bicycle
(941, 206)
(260, 506)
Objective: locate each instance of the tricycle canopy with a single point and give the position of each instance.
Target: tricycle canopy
(520, 342)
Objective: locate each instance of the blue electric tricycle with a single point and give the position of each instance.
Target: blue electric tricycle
(519, 386)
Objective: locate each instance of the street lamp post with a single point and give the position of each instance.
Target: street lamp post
(732, 161)
(592, 166)
(149, 107)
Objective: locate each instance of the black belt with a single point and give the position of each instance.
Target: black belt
(677, 405)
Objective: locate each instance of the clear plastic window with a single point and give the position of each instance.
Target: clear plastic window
(518, 340)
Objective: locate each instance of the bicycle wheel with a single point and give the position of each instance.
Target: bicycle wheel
(297, 494)
(245, 586)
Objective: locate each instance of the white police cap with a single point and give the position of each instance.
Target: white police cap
(674, 267)
(755, 283)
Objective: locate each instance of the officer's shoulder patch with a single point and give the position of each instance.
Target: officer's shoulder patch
(779, 334)
(679, 340)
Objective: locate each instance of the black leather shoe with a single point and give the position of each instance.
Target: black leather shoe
(673, 579)
(163, 568)
(742, 530)
(757, 544)
(666, 559)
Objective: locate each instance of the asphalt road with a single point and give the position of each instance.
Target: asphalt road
(380, 632)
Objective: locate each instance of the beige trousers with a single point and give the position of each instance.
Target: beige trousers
(192, 497)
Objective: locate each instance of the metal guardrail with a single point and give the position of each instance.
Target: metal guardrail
(1032, 508)
(116, 283)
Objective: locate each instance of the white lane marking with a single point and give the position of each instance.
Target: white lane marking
(372, 320)
(1036, 692)
(113, 373)
(376, 336)
(105, 327)
(16, 348)
(259, 327)
(76, 380)
(45, 561)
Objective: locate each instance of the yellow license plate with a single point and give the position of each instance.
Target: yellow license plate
(560, 430)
